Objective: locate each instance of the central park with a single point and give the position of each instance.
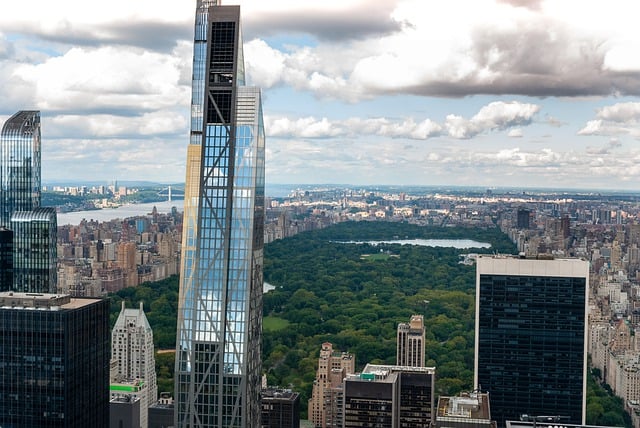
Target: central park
(328, 288)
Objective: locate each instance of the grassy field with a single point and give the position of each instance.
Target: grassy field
(274, 323)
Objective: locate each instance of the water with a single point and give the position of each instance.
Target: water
(455, 243)
(122, 212)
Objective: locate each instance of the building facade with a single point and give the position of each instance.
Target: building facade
(34, 248)
(280, 408)
(410, 342)
(133, 358)
(54, 361)
(531, 336)
(19, 164)
(218, 361)
(390, 397)
(6, 259)
(326, 395)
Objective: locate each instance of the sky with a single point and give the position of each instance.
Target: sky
(523, 93)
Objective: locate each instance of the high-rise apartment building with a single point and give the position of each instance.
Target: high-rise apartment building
(132, 350)
(218, 362)
(54, 361)
(531, 336)
(326, 395)
(34, 229)
(410, 346)
(389, 397)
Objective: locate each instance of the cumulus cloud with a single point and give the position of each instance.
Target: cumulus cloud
(496, 115)
(617, 119)
(515, 133)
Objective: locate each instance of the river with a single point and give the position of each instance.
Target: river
(124, 211)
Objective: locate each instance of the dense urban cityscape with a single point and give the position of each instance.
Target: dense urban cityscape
(323, 306)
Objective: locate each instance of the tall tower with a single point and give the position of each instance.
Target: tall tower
(410, 346)
(19, 165)
(34, 250)
(531, 337)
(220, 305)
(132, 350)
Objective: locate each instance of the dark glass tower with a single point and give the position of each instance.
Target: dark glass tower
(220, 306)
(54, 361)
(19, 164)
(530, 353)
(33, 228)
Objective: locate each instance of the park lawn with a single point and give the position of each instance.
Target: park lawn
(271, 323)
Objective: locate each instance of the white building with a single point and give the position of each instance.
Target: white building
(134, 371)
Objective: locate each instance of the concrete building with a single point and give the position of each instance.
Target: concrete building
(468, 410)
(531, 336)
(333, 367)
(132, 352)
(124, 412)
(410, 342)
(54, 361)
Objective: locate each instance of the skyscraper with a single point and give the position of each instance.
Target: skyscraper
(220, 306)
(410, 346)
(54, 361)
(33, 244)
(132, 350)
(19, 165)
(531, 336)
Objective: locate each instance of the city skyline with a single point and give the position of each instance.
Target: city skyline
(534, 93)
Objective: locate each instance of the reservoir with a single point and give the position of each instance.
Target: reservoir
(455, 243)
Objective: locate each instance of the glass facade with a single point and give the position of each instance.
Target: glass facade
(220, 308)
(19, 164)
(34, 250)
(54, 362)
(530, 340)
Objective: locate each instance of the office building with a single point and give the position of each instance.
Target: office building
(333, 367)
(410, 338)
(6, 259)
(468, 410)
(54, 361)
(132, 352)
(280, 408)
(389, 397)
(124, 412)
(218, 355)
(35, 250)
(161, 413)
(523, 220)
(531, 336)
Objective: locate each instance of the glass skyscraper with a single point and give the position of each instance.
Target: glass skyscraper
(530, 352)
(218, 363)
(33, 228)
(54, 361)
(19, 164)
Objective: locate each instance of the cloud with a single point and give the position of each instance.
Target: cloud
(616, 119)
(310, 127)
(496, 115)
(515, 133)
(330, 20)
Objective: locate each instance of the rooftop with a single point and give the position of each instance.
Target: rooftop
(41, 301)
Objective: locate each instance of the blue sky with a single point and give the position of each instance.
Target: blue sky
(531, 93)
